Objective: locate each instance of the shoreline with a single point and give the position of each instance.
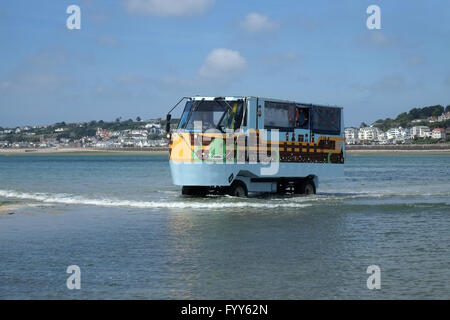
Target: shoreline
(164, 151)
(80, 151)
(396, 151)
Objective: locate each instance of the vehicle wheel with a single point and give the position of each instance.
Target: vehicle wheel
(238, 189)
(308, 188)
(281, 188)
(194, 191)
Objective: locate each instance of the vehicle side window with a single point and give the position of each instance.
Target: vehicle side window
(185, 115)
(279, 115)
(326, 120)
(238, 117)
(232, 119)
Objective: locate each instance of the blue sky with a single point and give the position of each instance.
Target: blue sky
(137, 57)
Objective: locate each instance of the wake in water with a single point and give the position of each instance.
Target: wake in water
(212, 203)
(79, 200)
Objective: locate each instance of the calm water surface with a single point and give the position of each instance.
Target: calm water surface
(134, 236)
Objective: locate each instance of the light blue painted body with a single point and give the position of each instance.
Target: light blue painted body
(218, 174)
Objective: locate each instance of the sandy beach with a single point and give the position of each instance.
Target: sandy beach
(397, 151)
(48, 151)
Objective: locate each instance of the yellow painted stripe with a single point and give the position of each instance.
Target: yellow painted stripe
(311, 149)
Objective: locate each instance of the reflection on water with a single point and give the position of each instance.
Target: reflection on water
(134, 236)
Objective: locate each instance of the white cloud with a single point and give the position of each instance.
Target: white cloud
(255, 22)
(222, 64)
(165, 8)
(379, 38)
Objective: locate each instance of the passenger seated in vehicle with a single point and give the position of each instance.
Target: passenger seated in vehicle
(301, 118)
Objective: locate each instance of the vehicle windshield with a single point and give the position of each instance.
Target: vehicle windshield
(216, 114)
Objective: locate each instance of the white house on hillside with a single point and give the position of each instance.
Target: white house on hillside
(351, 135)
(421, 131)
(438, 133)
(369, 133)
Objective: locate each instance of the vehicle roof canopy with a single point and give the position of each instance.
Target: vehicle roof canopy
(233, 98)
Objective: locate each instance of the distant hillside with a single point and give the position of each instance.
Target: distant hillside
(76, 131)
(405, 119)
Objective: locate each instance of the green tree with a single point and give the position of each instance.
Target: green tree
(436, 110)
(60, 124)
(403, 119)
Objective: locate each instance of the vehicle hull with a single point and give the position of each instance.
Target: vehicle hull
(223, 174)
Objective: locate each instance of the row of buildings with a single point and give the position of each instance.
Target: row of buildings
(443, 117)
(150, 134)
(372, 134)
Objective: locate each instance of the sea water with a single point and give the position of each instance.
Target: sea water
(133, 236)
